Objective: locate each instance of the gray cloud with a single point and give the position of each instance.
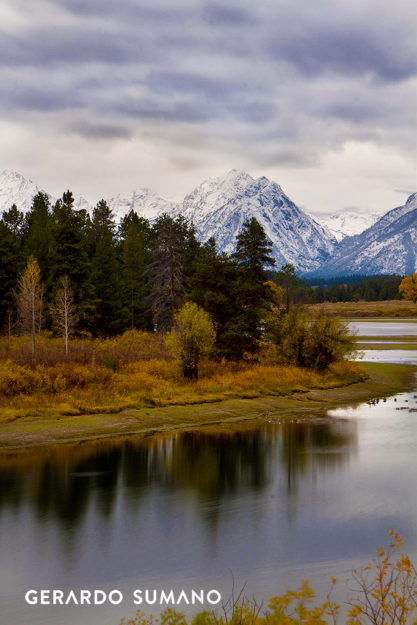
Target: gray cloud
(276, 82)
(100, 131)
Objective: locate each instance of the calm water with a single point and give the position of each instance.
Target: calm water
(389, 330)
(273, 503)
(384, 328)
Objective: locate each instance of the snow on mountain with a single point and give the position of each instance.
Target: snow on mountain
(219, 206)
(389, 246)
(144, 202)
(347, 223)
(15, 189)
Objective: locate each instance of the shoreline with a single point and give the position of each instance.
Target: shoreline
(29, 434)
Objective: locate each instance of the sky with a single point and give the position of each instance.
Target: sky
(105, 96)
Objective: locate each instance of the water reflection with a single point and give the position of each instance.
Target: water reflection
(61, 484)
(272, 502)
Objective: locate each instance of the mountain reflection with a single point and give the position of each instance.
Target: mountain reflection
(65, 483)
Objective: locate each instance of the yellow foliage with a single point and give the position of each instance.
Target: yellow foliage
(385, 594)
(408, 287)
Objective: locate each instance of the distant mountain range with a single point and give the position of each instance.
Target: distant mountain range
(388, 246)
(348, 243)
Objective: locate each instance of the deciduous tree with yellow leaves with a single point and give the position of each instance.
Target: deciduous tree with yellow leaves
(30, 300)
(408, 287)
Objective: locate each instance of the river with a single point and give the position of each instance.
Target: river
(270, 503)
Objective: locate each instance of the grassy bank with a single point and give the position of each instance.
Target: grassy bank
(396, 309)
(272, 400)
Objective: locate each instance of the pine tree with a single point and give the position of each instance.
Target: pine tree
(38, 239)
(253, 256)
(69, 253)
(166, 271)
(9, 269)
(70, 232)
(14, 220)
(215, 287)
(134, 233)
(105, 299)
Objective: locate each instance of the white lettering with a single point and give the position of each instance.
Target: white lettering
(137, 597)
(85, 597)
(45, 597)
(147, 597)
(214, 601)
(169, 598)
(183, 597)
(71, 597)
(31, 597)
(118, 594)
(102, 595)
(199, 596)
(57, 597)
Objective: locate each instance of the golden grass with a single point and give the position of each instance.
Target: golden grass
(389, 308)
(73, 389)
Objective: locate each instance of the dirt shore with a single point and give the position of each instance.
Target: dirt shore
(20, 434)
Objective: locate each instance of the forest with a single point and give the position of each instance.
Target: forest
(134, 276)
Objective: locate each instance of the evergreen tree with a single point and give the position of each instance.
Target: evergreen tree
(104, 296)
(253, 256)
(38, 239)
(215, 287)
(166, 271)
(135, 236)
(9, 270)
(14, 220)
(68, 230)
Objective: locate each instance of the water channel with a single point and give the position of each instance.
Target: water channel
(270, 503)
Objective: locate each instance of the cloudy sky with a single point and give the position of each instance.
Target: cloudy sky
(104, 96)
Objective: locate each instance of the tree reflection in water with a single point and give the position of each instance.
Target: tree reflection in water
(63, 482)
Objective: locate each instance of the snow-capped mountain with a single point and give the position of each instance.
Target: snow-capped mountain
(389, 246)
(219, 206)
(348, 223)
(144, 202)
(15, 189)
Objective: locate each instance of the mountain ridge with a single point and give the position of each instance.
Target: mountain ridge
(218, 207)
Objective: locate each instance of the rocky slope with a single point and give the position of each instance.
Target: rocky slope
(219, 206)
(389, 246)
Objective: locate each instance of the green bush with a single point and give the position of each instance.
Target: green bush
(311, 341)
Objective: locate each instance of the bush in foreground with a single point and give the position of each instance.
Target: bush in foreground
(385, 593)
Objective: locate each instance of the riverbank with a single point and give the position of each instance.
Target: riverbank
(38, 431)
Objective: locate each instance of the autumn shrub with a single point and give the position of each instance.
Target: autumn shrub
(311, 341)
(131, 346)
(19, 380)
(191, 338)
(384, 593)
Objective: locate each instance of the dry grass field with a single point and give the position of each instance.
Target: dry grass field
(391, 308)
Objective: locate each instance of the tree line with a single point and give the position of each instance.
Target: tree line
(65, 270)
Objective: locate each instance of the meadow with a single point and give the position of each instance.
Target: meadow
(389, 308)
(135, 370)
